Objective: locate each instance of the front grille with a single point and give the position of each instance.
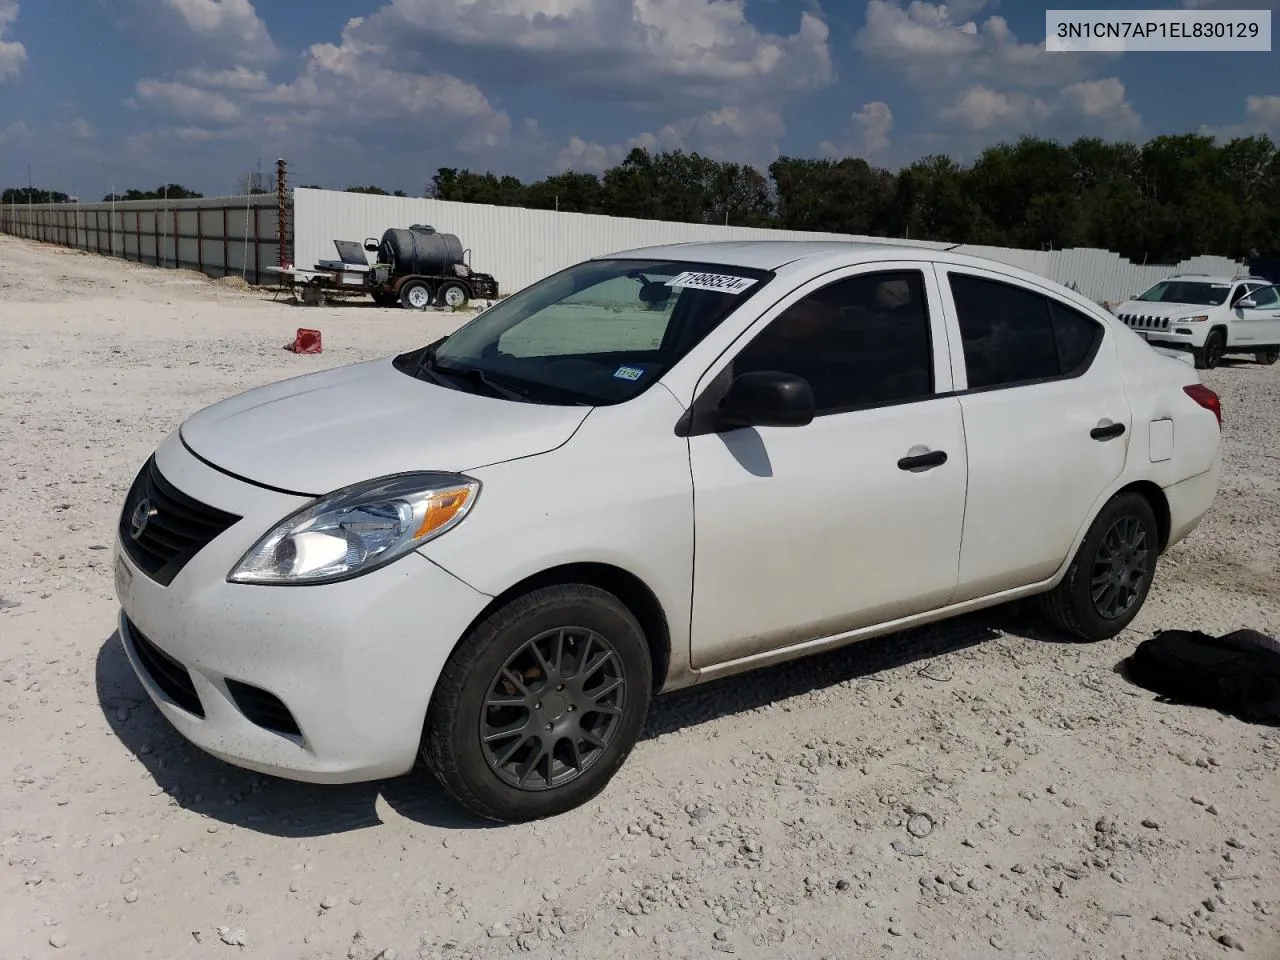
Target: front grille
(1141, 321)
(176, 526)
(166, 673)
(263, 709)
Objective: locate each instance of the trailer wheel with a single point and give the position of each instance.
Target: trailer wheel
(453, 295)
(415, 295)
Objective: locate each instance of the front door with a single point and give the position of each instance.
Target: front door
(1046, 423)
(1258, 326)
(855, 519)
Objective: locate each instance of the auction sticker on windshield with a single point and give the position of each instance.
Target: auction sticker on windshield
(712, 281)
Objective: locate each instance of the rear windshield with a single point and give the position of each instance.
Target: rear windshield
(1199, 292)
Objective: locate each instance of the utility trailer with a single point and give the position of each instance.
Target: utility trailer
(415, 268)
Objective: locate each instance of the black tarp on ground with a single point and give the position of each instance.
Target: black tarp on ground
(1237, 674)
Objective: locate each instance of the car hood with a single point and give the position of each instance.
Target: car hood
(1171, 310)
(321, 431)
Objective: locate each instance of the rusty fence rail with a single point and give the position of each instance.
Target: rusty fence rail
(221, 236)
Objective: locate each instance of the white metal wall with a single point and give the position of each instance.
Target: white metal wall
(517, 246)
(520, 246)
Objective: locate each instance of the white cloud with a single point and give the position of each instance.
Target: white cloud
(239, 78)
(869, 128)
(1098, 107)
(81, 129)
(13, 55)
(585, 157)
(437, 104)
(187, 102)
(649, 52)
(935, 49)
(1229, 4)
(741, 134)
(1101, 105)
(16, 132)
(233, 25)
(984, 109)
(1261, 116)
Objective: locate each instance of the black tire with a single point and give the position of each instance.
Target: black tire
(1071, 606)
(453, 294)
(484, 668)
(1268, 357)
(1210, 355)
(415, 295)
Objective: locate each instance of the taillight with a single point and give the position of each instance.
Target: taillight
(1206, 398)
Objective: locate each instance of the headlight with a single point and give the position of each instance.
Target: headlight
(1198, 318)
(358, 528)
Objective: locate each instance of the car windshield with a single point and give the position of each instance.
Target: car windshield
(1201, 293)
(600, 332)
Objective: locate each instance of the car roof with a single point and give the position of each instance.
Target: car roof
(767, 254)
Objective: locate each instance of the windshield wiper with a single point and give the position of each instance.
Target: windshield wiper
(496, 386)
(427, 363)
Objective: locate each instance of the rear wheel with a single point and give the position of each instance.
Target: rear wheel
(1111, 573)
(415, 295)
(453, 295)
(1210, 355)
(1268, 357)
(540, 704)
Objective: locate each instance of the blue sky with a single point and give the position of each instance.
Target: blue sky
(130, 93)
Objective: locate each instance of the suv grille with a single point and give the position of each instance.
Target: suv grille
(177, 527)
(1142, 322)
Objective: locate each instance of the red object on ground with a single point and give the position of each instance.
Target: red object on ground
(306, 341)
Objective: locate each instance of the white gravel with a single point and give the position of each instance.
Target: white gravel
(972, 791)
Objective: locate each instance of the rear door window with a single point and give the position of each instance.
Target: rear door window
(1013, 336)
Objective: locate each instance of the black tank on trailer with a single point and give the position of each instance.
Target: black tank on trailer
(420, 249)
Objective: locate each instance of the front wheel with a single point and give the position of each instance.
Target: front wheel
(540, 704)
(1268, 357)
(1111, 573)
(1210, 355)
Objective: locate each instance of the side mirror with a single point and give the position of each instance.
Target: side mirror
(1246, 303)
(766, 398)
(371, 245)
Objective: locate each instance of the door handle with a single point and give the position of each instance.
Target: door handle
(918, 463)
(1108, 432)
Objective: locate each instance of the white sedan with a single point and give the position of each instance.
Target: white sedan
(646, 471)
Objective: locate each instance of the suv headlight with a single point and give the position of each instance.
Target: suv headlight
(358, 528)
(1197, 318)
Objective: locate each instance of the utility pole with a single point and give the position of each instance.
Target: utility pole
(282, 212)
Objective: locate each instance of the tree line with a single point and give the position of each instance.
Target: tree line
(1170, 198)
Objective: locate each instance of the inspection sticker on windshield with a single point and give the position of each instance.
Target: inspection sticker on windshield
(712, 281)
(628, 373)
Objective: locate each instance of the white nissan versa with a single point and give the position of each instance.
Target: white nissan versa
(647, 470)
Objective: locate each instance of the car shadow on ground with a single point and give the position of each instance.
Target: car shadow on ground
(227, 794)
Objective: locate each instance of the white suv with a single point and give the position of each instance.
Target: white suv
(1209, 316)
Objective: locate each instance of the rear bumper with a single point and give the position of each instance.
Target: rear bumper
(1190, 500)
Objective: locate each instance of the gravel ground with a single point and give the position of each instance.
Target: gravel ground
(975, 790)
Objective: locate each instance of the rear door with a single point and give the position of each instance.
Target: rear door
(807, 532)
(1046, 425)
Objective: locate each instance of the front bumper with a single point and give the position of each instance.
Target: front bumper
(325, 683)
